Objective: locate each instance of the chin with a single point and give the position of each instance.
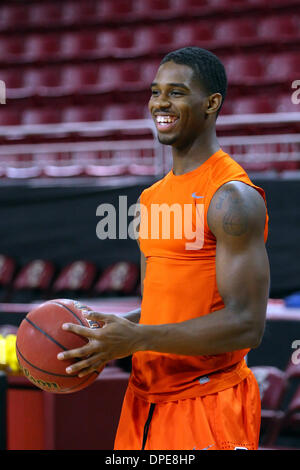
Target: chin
(166, 139)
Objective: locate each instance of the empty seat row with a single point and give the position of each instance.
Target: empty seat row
(71, 170)
(84, 78)
(54, 115)
(41, 279)
(242, 70)
(15, 116)
(144, 40)
(280, 400)
(33, 15)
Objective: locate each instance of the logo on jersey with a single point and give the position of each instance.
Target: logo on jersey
(194, 195)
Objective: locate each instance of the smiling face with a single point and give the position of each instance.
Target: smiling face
(178, 105)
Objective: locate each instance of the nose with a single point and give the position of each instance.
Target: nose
(160, 102)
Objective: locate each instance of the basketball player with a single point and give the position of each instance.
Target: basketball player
(204, 303)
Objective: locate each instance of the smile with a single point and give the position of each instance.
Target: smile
(165, 122)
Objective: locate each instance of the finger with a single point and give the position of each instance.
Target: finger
(84, 351)
(90, 363)
(80, 330)
(95, 368)
(98, 316)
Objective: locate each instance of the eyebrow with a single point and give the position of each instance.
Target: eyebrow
(179, 85)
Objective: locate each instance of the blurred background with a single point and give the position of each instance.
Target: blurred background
(75, 133)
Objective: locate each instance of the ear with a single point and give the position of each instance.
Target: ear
(214, 103)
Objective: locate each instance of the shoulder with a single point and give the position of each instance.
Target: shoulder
(147, 192)
(236, 209)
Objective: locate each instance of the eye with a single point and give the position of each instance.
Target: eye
(176, 93)
(154, 92)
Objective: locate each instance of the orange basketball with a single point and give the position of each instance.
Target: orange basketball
(40, 338)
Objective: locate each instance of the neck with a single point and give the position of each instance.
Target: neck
(193, 155)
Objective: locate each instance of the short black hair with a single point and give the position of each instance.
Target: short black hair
(208, 68)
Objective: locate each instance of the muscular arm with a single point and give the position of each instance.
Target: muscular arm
(236, 217)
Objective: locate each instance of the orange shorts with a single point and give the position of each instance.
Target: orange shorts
(224, 420)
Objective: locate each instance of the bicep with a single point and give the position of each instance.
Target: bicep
(243, 276)
(242, 267)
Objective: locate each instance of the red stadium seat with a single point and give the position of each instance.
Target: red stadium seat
(7, 272)
(119, 278)
(7, 269)
(14, 83)
(160, 9)
(45, 14)
(12, 49)
(282, 68)
(33, 281)
(105, 163)
(279, 28)
(23, 171)
(245, 70)
(284, 104)
(148, 71)
(132, 76)
(118, 10)
(77, 277)
(291, 421)
(139, 169)
(63, 170)
(10, 117)
(121, 112)
(45, 115)
(124, 42)
(199, 34)
(43, 81)
(13, 16)
(81, 114)
(235, 32)
(228, 5)
(80, 12)
(80, 45)
(108, 77)
(156, 39)
(253, 105)
(272, 385)
(193, 7)
(108, 169)
(80, 78)
(42, 47)
(292, 371)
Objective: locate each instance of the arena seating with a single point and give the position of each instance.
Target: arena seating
(33, 281)
(40, 279)
(8, 267)
(90, 62)
(75, 280)
(118, 279)
(280, 400)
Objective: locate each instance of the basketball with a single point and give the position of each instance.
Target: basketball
(40, 338)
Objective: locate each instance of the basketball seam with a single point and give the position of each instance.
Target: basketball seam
(45, 334)
(69, 310)
(42, 370)
(65, 390)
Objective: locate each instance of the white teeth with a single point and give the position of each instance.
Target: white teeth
(165, 119)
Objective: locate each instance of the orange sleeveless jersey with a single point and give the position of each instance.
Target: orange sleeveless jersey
(180, 282)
